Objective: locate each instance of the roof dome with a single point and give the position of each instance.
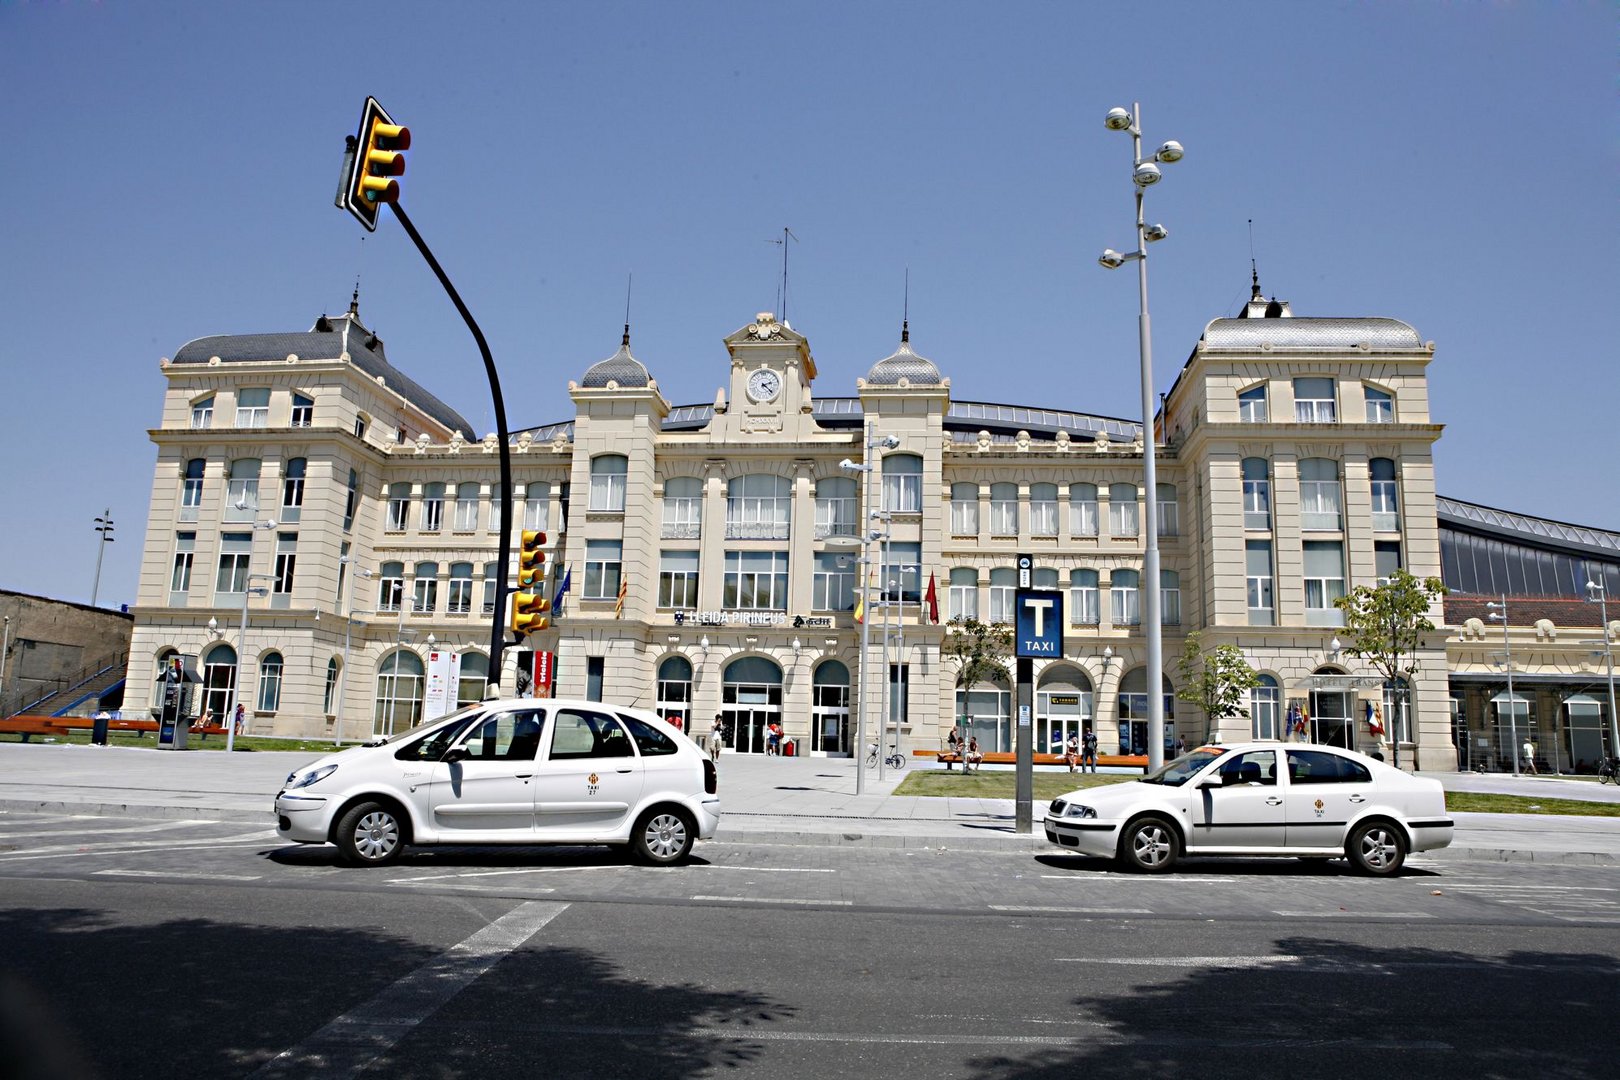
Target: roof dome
(904, 364)
(620, 368)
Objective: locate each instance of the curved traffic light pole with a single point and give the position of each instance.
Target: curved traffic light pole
(497, 640)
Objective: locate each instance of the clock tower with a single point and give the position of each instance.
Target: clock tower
(771, 372)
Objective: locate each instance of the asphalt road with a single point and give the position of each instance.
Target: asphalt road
(208, 948)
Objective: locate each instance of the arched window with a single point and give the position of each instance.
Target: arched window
(1003, 583)
(191, 489)
(675, 691)
(964, 509)
(1265, 709)
(758, 507)
(390, 586)
(1082, 509)
(1125, 595)
(536, 506)
(1063, 708)
(609, 473)
(474, 679)
(1124, 518)
(1256, 493)
(902, 483)
(1083, 607)
(329, 696)
(829, 708)
(1003, 509)
(837, 513)
(683, 508)
(1043, 510)
(161, 671)
(399, 693)
(270, 665)
(461, 589)
(1386, 503)
(1133, 713)
(964, 594)
(466, 519)
(242, 490)
(751, 695)
(432, 507)
(219, 682)
(292, 490)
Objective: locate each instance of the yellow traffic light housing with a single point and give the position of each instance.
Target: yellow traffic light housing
(378, 158)
(529, 603)
(531, 559)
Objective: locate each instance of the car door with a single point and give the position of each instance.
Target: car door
(483, 789)
(1238, 805)
(589, 780)
(1325, 791)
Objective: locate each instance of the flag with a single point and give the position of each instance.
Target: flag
(860, 608)
(557, 600)
(933, 600)
(618, 605)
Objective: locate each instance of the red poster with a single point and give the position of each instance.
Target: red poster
(543, 673)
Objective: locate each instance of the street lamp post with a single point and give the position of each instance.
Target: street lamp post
(248, 590)
(1599, 594)
(870, 442)
(348, 628)
(1144, 174)
(104, 526)
(1499, 613)
(887, 708)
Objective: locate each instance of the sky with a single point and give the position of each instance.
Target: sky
(169, 172)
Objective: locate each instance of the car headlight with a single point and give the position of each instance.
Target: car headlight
(1076, 810)
(314, 776)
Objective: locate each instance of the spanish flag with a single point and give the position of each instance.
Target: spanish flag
(860, 608)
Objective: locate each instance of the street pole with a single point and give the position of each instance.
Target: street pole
(888, 675)
(241, 660)
(1501, 613)
(1602, 592)
(348, 629)
(104, 526)
(5, 650)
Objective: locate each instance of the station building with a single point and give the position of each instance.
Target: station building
(323, 527)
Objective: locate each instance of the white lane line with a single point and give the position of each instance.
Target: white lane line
(162, 826)
(764, 869)
(1185, 961)
(1101, 876)
(518, 870)
(777, 900)
(1073, 910)
(499, 890)
(354, 1040)
(131, 847)
(1354, 914)
(175, 874)
(1531, 888)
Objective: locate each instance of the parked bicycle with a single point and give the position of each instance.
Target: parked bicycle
(1609, 771)
(892, 759)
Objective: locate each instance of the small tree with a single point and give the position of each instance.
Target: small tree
(1386, 625)
(1217, 680)
(979, 649)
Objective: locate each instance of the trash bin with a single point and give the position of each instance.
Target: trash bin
(790, 747)
(98, 728)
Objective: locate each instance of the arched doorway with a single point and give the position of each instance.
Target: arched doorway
(829, 708)
(219, 682)
(751, 696)
(675, 693)
(1063, 708)
(399, 693)
(1133, 714)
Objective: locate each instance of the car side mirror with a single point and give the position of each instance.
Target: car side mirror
(455, 754)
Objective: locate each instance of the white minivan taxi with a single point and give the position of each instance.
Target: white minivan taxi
(512, 771)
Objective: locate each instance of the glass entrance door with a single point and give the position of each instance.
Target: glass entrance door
(746, 728)
(1330, 717)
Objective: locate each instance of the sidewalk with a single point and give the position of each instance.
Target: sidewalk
(784, 800)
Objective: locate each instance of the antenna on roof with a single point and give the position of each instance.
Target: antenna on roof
(781, 296)
(629, 281)
(354, 303)
(905, 310)
(1254, 268)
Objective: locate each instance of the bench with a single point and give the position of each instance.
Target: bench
(29, 726)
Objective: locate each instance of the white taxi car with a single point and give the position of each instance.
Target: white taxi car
(516, 771)
(1257, 799)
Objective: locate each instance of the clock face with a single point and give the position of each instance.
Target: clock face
(764, 385)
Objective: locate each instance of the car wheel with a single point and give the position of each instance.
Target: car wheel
(662, 837)
(1149, 845)
(370, 835)
(1376, 847)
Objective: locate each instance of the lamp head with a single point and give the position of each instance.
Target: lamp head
(1169, 152)
(1118, 119)
(1110, 259)
(1147, 174)
(890, 442)
(1336, 645)
(1151, 233)
(850, 466)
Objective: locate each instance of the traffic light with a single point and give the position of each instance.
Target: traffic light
(530, 603)
(377, 158)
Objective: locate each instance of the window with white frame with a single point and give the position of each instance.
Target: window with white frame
(1262, 606)
(536, 507)
(329, 695)
(1265, 709)
(473, 680)
(1003, 584)
(351, 501)
(191, 489)
(963, 599)
(609, 473)
(390, 586)
(1169, 523)
(399, 506)
(492, 582)
(758, 507)
(678, 580)
(425, 590)
(459, 595)
(902, 571)
(432, 507)
(281, 582)
(1043, 510)
(466, 519)
(1044, 578)
(1314, 401)
(1386, 558)
(1169, 598)
(1256, 493)
(1003, 509)
(292, 490)
(1252, 405)
(1123, 517)
(964, 509)
(399, 693)
(270, 665)
(185, 551)
(1324, 582)
(604, 567)
(683, 508)
(361, 422)
(675, 691)
(342, 574)
(160, 673)
(1319, 503)
(202, 412)
(902, 483)
(837, 512)
(1125, 597)
(1082, 509)
(1386, 506)
(242, 490)
(1083, 606)
(253, 407)
(1380, 406)
(235, 552)
(755, 581)
(833, 588)
(303, 410)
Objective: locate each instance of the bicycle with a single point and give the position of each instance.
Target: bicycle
(893, 759)
(1609, 771)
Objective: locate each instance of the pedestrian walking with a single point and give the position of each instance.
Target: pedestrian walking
(240, 720)
(1530, 757)
(1088, 750)
(1071, 752)
(717, 738)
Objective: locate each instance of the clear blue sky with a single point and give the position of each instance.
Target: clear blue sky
(169, 173)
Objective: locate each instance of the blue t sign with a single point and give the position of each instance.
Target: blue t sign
(1038, 624)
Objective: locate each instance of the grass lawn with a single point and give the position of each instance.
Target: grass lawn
(244, 743)
(1480, 802)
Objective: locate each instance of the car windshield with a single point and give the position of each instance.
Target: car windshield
(1178, 772)
(402, 736)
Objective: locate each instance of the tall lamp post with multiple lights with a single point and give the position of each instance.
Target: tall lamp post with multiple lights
(871, 442)
(1599, 594)
(1145, 173)
(348, 629)
(1499, 613)
(104, 526)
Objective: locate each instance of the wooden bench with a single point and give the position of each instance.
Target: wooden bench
(29, 726)
(998, 757)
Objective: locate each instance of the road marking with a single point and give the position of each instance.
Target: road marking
(1531, 888)
(762, 869)
(131, 847)
(1354, 914)
(777, 900)
(1137, 879)
(189, 876)
(497, 873)
(161, 826)
(347, 1045)
(1185, 961)
(1073, 910)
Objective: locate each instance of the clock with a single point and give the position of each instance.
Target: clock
(764, 385)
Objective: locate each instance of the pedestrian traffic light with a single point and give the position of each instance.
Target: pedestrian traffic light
(530, 603)
(377, 158)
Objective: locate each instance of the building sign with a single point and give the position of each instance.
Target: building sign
(545, 665)
(443, 679)
(1026, 568)
(1037, 624)
(753, 618)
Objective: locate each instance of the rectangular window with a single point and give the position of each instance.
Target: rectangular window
(833, 588)
(185, 550)
(242, 490)
(536, 508)
(202, 412)
(253, 407)
(1314, 401)
(1084, 606)
(1262, 609)
(964, 594)
(1386, 557)
(459, 598)
(1252, 406)
(292, 490)
(609, 475)
(303, 410)
(1319, 504)
(1043, 513)
(1123, 519)
(1082, 510)
(286, 565)
(1324, 582)
(595, 672)
(1126, 598)
(1169, 514)
(1169, 598)
(678, 580)
(1380, 407)
(604, 564)
(492, 573)
(755, 581)
(342, 574)
(898, 571)
(965, 516)
(235, 552)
